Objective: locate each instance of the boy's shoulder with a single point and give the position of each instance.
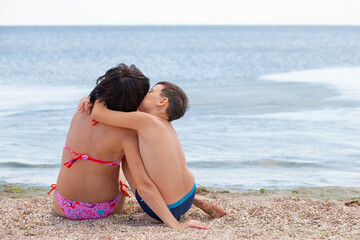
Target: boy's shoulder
(151, 121)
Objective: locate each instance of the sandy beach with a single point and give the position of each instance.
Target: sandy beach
(318, 213)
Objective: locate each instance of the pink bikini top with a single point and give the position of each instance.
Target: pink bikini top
(86, 157)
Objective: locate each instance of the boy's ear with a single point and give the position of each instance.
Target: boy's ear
(163, 102)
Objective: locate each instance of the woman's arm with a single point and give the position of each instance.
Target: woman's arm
(148, 190)
(132, 120)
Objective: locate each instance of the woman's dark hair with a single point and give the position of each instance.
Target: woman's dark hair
(178, 101)
(122, 88)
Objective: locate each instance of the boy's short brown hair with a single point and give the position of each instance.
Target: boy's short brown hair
(178, 101)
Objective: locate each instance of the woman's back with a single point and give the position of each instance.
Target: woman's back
(88, 182)
(85, 180)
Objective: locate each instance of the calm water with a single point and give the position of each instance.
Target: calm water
(271, 107)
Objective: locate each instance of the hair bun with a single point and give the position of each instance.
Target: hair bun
(124, 70)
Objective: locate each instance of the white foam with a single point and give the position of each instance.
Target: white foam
(18, 99)
(346, 80)
(342, 114)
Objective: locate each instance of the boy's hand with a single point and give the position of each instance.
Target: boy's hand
(85, 105)
(194, 224)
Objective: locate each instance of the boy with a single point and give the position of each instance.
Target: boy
(159, 145)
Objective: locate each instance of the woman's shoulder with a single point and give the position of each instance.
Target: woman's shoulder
(118, 135)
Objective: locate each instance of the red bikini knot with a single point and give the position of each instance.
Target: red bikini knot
(53, 186)
(94, 122)
(85, 157)
(122, 190)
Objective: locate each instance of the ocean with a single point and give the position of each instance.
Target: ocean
(274, 107)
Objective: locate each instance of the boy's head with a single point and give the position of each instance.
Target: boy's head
(122, 88)
(166, 98)
(177, 100)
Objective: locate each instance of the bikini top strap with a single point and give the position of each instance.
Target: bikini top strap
(77, 157)
(86, 157)
(68, 149)
(116, 163)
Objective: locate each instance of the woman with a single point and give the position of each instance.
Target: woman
(87, 185)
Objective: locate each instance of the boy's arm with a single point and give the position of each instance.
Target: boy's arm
(148, 190)
(132, 120)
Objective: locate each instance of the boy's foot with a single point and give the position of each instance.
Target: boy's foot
(213, 210)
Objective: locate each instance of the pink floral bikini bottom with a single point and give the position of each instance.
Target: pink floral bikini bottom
(81, 210)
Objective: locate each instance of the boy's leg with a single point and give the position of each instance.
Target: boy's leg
(213, 210)
(131, 182)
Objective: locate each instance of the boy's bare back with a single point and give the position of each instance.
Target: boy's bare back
(164, 159)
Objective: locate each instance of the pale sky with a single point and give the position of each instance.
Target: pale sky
(180, 12)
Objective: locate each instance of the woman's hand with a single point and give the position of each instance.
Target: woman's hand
(85, 105)
(194, 224)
